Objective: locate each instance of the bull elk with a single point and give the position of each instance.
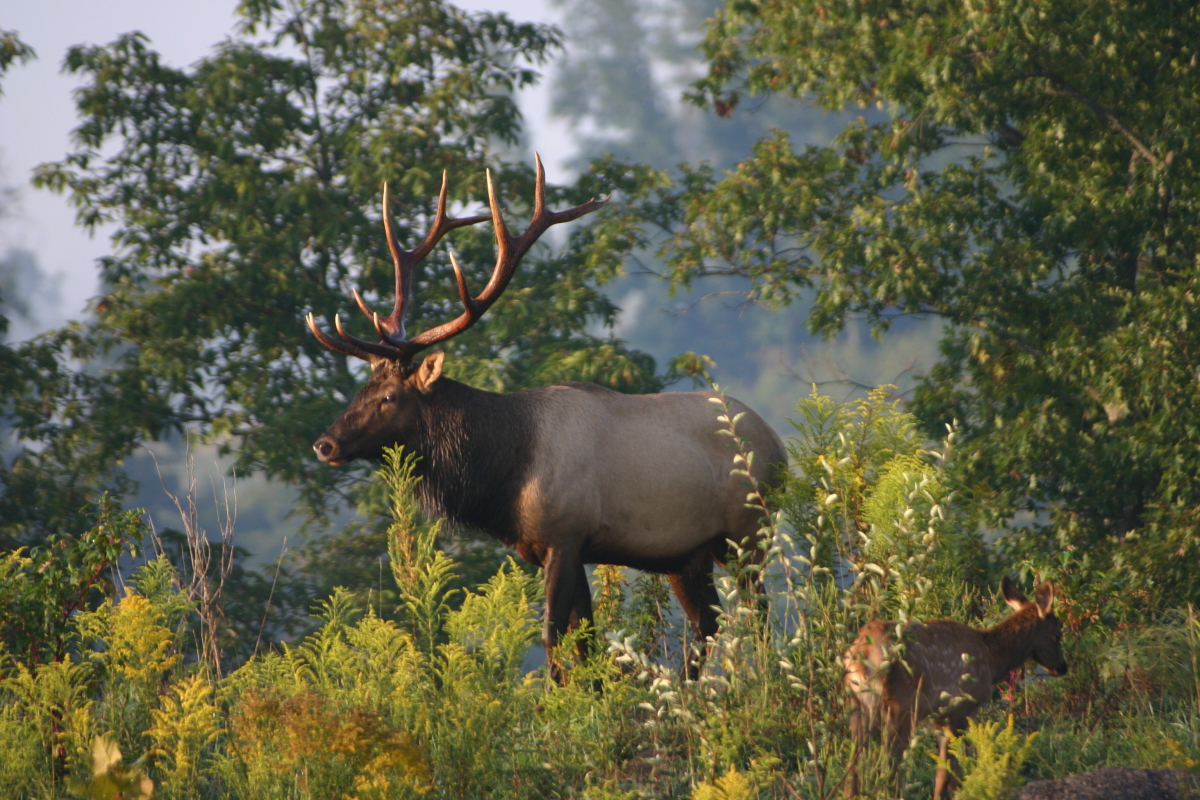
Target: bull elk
(947, 672)
(569, 474)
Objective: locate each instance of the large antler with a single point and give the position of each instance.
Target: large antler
(509, 251)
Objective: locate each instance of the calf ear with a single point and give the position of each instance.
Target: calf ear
(1044, 597)
(429, 371)
(1012, 595)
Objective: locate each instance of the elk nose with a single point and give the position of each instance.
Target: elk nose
(326, 448)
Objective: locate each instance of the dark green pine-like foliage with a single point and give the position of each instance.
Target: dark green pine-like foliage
(1033, 181)
(245, 191)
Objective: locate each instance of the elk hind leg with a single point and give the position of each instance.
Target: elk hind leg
(870, 715)
(564, 569)
(581, 613)
(748, 571)
(698, 596)
(942, 777)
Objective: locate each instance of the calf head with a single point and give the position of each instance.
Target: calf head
(1045, 630)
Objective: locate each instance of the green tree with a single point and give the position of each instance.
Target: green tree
(620, 86)
(12, 50)
(245, 190)
(40, 483)
(1033, 186)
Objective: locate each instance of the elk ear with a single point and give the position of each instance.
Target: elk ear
(1012, 595)
(429, 371)
(1044, 597)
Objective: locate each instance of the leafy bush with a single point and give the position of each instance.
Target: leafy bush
(43, 587)
(426, 694)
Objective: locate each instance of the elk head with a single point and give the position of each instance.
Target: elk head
(389, 405)
(1045, 629)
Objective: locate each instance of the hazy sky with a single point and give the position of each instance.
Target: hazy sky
(37, 114)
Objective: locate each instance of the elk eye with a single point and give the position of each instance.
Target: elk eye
(391, 398)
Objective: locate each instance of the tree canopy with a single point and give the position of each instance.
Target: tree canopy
(1023, 172)
(1026, 173)
(245, 193)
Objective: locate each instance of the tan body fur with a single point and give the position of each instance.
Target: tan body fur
(949, 670)
(639, 480)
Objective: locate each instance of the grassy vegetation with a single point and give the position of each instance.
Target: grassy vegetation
(427, 698)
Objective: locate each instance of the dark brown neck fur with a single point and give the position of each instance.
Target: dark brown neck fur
(1009, 642)
(475, 449)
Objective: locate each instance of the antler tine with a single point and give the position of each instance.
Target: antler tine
(401, 264)
(345, 348)
(539, 187)
(382, 349)
(555, 217)
(509, 251)
(362, 304)
(463, 293)
(505, 266)
(403, 261)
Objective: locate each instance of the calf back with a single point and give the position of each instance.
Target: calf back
(940, 669)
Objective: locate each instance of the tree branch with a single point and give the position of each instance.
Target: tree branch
(1065, 89)
(1010, 135)
(1008, 336)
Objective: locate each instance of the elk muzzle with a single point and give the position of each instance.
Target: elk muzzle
(328, 451)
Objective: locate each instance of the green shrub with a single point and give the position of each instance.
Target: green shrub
(425, 695)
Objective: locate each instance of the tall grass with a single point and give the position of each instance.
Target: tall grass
(431, 699)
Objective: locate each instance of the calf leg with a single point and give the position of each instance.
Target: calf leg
(946, 779)
(942, 776)
(858, 740)
(698, 596)
(897, 733)
(563, 571)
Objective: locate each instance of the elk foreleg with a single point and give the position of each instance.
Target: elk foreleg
(564, 571)
(698, 596)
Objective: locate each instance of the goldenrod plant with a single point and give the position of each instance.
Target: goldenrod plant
(991, 764)
(436, 689)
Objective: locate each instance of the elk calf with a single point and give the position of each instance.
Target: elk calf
(947, 672)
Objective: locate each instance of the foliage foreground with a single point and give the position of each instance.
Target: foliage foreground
(434, 698)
